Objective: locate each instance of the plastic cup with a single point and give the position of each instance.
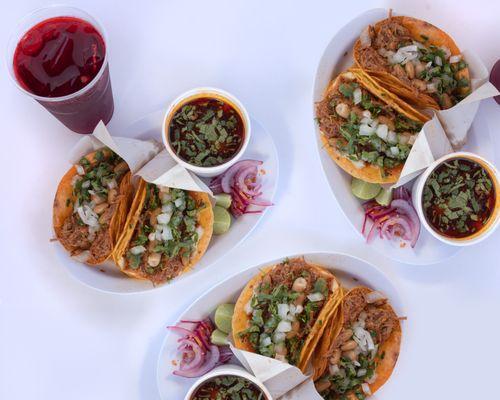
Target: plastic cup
(82, 110)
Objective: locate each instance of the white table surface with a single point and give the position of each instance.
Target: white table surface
(62, 340)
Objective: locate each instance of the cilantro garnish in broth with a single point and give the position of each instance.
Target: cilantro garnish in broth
(458, 198)
(206, 132)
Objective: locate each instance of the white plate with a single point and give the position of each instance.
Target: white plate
(351, 271)
(108, 278)
(336, 58)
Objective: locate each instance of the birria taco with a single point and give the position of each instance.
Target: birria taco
(367, 130)
(167, 232)
(359, 348)
(415, 60)
(91, 204)
(282, 312)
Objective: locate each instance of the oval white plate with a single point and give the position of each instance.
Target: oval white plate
(351, 271)
(108, 278)
(336, 58)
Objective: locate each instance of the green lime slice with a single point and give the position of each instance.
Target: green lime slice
(223, 317)
(384, 198)
(222, 220)
(364, 190)
(223, 200)
(219, 338)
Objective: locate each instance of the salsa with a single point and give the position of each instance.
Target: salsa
(228, 387)
(206, 132)
(59, 56)
(458, 198)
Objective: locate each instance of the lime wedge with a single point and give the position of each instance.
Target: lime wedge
(384, 198)
(222, 220)
(219, 338)
(364, 190)
(223, 200)
(223, 317)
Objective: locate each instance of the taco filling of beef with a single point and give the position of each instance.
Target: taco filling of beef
(95, 198)
(283, 309)
(165, 236)
(353, 357)
(429, 69)
(363, 128)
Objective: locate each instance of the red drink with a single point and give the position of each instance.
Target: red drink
(61, 62)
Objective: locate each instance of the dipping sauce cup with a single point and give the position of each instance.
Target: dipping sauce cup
(57, 55)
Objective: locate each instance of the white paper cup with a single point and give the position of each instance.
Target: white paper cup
(199, 93)
(228, 369)
(493, 222)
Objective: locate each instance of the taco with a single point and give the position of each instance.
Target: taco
(359, 348)
(366, 130)
(90, 206)
(282, 312)
(167, 232)
(415, 60)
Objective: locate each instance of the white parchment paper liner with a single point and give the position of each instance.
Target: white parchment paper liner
(135, 152)
(447, 131)
(284, 381)
(163, 170)
(143, 158)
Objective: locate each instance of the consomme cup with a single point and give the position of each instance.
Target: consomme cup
(228, 369)
(214, 93)
(491, 224)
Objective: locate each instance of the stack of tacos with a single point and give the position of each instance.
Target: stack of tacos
(150, 232)
(298, 313)
(371, 114)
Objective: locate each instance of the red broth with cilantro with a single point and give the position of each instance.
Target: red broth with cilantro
(206, 132)
(459, 198)
(228, 387)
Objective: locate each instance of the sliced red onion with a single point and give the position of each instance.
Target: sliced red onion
(227, 177)
(209, 364)
(397, 219)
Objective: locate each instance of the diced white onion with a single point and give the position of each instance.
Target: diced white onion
(88, 216)
(284, 326)
(431, 87)
(446, 51)
(382, 131)
(412, 139)
(392, 137)
(361, 372)
(394, 150)
(428, 65)
(438, 60)
(179, 202)
(316, 296)
(86, 184)
(367, 114)
(358, 164)
(199, 231)
(166, 234)
(283, 310)
(366, 389)
(374, 296)
(266, 341)
(79, 169)
(409, 48)
(279, 337)
(163, 218)
(152, 236)
(333, 369)
(137, 250)
(366, 130)
(81, 257)
(455, 59)
(357, 96)
(248, 307)
(364, 38)
(418, 44)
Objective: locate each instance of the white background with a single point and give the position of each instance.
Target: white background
(61, 340)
